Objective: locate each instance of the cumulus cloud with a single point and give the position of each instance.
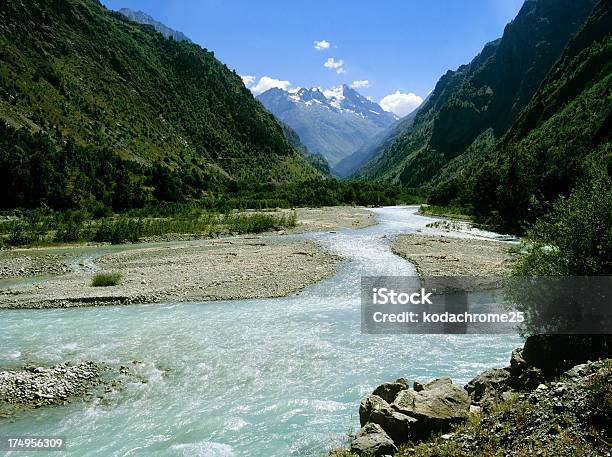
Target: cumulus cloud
(360, 83)
(321, 45)
(400, 103)
(334, 65)
(265, 83)
(248, 79)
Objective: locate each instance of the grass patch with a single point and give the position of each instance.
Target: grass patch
(105, 279)
(451, 212)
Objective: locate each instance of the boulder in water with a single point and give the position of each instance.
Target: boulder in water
(368, 405)
(397, 425)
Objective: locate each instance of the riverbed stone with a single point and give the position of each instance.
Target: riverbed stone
(436, 408)
(372, 440)
(397, 425)
(529, 379)
(437, 382)
(517, 363)
(36, 386)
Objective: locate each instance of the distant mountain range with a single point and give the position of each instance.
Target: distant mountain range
(333, 123)
(144, 18)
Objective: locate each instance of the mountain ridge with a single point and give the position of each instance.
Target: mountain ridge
(487, 93)
(143, 18)
(560, 142)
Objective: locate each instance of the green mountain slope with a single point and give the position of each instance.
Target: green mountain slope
(486, 94)
(374, 147)
(561, 139)
(317, 161)
(71, 69)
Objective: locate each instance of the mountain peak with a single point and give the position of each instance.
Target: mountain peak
(342, 98)
(332, 122)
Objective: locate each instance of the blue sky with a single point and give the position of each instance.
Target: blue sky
(403, 45)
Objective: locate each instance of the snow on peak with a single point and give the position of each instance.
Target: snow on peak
(335, 95)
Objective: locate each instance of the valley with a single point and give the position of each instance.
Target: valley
(209, 356)
(194, 195)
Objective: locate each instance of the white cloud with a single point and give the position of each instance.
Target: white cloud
(265, 83)
(335, 65)
(400, 103)
(248, 79)
(321, 45)
(360, 83)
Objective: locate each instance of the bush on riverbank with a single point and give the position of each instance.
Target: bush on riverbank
(452, 212)
(105, 279)
(576, 238)
(38, 227)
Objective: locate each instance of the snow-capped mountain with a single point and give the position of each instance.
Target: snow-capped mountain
(333, 123)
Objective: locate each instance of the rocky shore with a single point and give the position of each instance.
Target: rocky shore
(205, 270)
(36, 386)
(535, 406)
(31, 263)
(242, 267)
(451, 256)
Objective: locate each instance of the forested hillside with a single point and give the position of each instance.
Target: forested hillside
(316, 160)
(100, 109)
(472, 106)
(560, 142)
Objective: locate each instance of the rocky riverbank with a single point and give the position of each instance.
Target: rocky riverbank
(255, 266)
(223, 269)
(451, 256)
(36, 386)
(526, 409)
(31, 263)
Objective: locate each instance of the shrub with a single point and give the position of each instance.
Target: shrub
(69, 232)
(119, 231)
(576, 238)
(105, 279)
(20, 235)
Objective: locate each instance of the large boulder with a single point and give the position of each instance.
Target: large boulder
(436, 407)
(389, 390)
(368, 404)
(437, 382)
(554, 354)
(529, 379)
(487, 388)
(398, 426)
(372, 441)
